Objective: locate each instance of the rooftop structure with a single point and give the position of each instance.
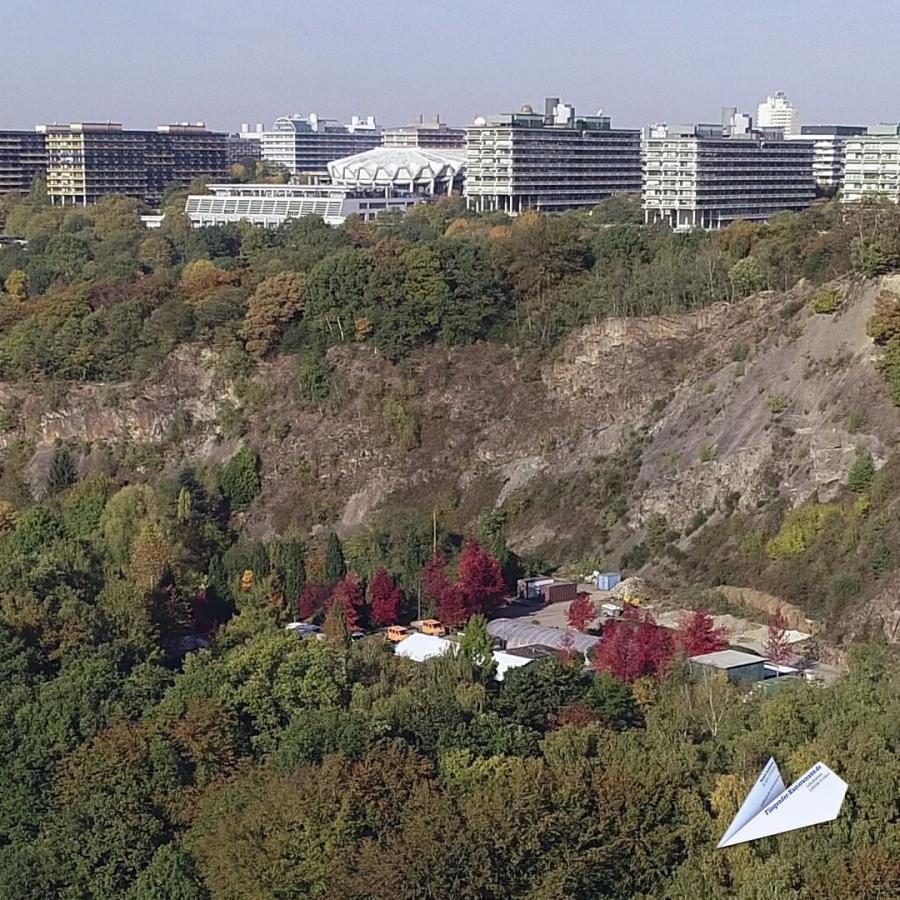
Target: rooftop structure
(87, 160)
(420, 647)
(872, 166)
(416, 170)
(707, 176)
(435, 135)
(551, 161)
(778, 112)
(271, 205)
(309, 144)
(23, 155)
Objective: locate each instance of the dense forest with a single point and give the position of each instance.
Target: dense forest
(164, 737)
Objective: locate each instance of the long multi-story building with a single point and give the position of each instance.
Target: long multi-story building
(88, 160)
(435, 135)
(552, 161)
(707, 176)
(244, 144)
(829, 151)
(778, 112)
(271, 205)
(307, 145)
(872, 166)
(23, 155)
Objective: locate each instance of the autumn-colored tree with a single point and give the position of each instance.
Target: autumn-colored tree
(480, 578)
(348, 594)
(581, 612)
(16, 285)
(152, 556)
(311, 601)
(633, 646)
(697, 634)
(247, 581)
(384, 598)
(434, 578)
(778, 647)
(274, 303)
(451, 607)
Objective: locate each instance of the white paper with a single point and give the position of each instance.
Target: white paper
(770, 808)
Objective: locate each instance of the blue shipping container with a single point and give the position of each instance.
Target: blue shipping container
(606, 581)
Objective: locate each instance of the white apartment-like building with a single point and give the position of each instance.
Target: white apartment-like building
(412, 169)
(777, 112)
(435, 135)
(550, 162)
(271, 205)
(707, 176)
(829, 151)
(872, 166)
(309, 144)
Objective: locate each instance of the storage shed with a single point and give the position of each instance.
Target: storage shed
(738, 666)
(606, 581)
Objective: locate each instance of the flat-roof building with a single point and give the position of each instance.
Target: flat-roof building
(435, 135)
(872, 166)
(707, 176)
(309, 144)
(778, 112)
(88, 160)
(551, 161)
(244, 145)
(829, 151)
(735, 664)
(271, 205)
(23, 155)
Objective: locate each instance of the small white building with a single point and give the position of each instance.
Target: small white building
(271, 205)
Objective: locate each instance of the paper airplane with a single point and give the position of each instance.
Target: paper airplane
(770, 808)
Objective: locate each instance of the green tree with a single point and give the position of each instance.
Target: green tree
(62, 472)
(239, 479)
(475, 645)
(862, 472)
(335, 567)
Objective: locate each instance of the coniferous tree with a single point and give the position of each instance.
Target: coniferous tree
(335, 567)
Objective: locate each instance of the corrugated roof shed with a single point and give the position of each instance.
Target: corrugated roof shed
(516, 633)
(727, 659)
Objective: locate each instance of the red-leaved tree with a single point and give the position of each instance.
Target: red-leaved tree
(697, 634)
(633, 646)
(348, 593)
(385, 598)
(581, 612)
(434, 578)
(451, 608)
(777, 648)
(480, 578)
(311, 600)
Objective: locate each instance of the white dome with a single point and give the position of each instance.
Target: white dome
(413, 167)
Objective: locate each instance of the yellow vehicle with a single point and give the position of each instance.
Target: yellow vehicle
(397, 633)
(433, 626)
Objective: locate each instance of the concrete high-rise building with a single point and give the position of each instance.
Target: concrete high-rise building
(777, 112)
(872, 166)
(88, 160)
(829, 151)
(435, 135)
(308, 144)
(23, 155)
(707, 176)
(551, 161)
(244, 144)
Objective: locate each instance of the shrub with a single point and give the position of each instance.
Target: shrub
(707, 454)
(862, 472)
(799, 529)
(777, 404)
(239, 479)
(857, 419)
(826, 302)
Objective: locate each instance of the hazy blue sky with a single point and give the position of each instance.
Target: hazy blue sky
(232, 61)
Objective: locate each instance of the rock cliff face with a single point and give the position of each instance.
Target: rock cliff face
(733, 403)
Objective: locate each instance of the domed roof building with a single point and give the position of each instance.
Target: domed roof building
(418, 170)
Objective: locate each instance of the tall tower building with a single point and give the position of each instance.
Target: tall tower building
(777, 112)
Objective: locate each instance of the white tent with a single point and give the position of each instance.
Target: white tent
(423, 646)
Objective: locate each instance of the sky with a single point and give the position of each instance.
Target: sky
(231, 61)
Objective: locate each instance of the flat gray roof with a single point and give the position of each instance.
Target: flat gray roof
(727, 659)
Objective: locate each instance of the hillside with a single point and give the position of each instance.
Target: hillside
(737, 409)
